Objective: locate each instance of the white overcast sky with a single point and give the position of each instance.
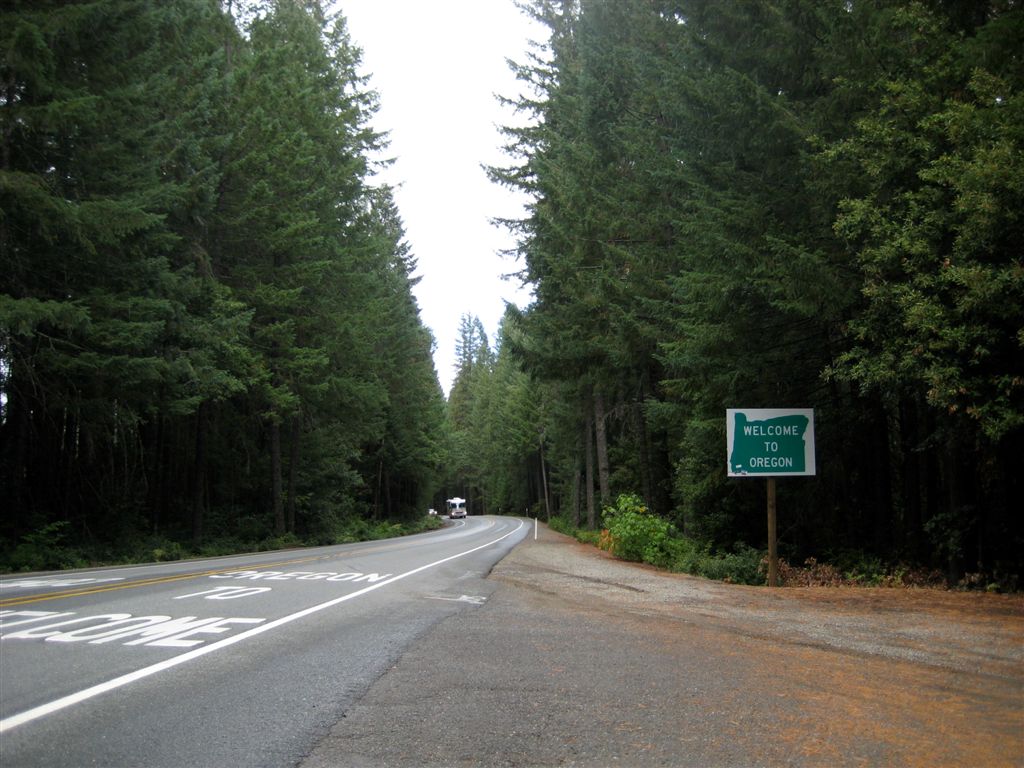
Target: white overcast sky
(437, 65)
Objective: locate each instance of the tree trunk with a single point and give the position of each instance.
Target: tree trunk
(912, 476)
(603, 471)
(589, 449)
(154, 469)
(881, 486)
(646, 469)
(958, 505)
(293, 472)
(577, 481)
(544, 480)
(199, 475)
(275, 477)
(377, 487)
(14, 452)
(388, 510)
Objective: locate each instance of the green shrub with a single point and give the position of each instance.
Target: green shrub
(561, 525)
(46, 549)
(284, 541)
(637, 534)
(166, 551)
(742, 566)
(634, 533)
(425, 523)
(587, 537)
(685, 555)
(225, 545)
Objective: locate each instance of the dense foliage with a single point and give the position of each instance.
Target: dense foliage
(769, 203)
(207, 328)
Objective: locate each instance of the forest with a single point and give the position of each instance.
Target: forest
(208, 336)
(765, 204)
(209, 339)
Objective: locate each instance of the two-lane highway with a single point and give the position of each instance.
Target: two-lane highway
(244, 660)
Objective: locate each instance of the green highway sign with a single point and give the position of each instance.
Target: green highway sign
(770, 442)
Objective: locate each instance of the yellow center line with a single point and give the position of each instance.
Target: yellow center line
(27, 599)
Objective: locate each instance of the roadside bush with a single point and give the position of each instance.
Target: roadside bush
(635, 533)
(861, 569)
(284, 541)
(741, 566)
(165, 550)
(582, 535)
(561, 525)
(587, 537)
(686, 555)
(426, 523)
(221, 546)
(46, 549)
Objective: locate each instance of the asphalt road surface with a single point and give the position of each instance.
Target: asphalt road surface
(240, 661)
(481, 646)
(581, 660)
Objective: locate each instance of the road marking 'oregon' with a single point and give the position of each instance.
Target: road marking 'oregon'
(119, 682)
(13, 601)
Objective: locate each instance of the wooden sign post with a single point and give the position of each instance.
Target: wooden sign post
(773, 550)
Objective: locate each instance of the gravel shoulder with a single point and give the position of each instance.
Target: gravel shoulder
(578, 659)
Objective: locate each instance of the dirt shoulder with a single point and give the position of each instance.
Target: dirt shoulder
(580, 659)
(972, 632)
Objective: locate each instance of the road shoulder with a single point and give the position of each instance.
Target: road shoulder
(579, 659)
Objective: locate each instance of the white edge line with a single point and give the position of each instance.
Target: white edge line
(76, 698)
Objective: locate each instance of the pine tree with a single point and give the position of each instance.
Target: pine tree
(687, 166)
(927, 211)
(101, 300)
(293, 191)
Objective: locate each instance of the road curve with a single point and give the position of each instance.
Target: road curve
(244, 660)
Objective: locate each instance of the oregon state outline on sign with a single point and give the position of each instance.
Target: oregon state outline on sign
(770, 441)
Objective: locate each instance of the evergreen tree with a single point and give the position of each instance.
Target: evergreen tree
(105, 307)
(408, 456)
(473, 364)
(206, 319)
(931, 226)
(780, 203)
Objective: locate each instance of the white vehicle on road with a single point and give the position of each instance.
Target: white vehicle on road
(456, 508)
